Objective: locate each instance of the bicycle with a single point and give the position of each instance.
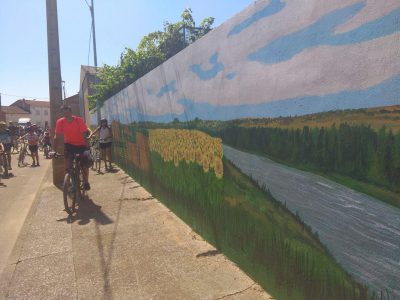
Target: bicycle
(73, 187)
(22, 154)
(40, 146)
(46, 150)
(16, 145)
(3, 164)
(95, 154)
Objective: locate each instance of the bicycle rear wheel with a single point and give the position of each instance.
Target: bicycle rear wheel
(46, 151)
(15, 148)
(21, 157)
(69, 194)
(4, 164)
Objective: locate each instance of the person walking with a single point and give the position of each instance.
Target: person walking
(6, 140)
(105, 135)
(33, 144)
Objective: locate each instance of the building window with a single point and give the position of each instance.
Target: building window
(38, 112)
(46, 112)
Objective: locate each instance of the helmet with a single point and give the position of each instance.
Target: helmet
(103, 120)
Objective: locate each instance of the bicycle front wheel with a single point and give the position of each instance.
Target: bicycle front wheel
(4, 164)
(21, 157)
(15, 147)
(69, 194)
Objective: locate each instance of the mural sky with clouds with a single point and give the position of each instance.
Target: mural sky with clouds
(276, 58)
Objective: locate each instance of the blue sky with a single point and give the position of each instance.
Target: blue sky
(119, 24)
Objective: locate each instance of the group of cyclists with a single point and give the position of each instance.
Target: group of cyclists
(76, 137)
(12, 137)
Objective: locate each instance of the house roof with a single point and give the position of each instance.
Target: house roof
(90, 70)
(13, 110)
(38, 103)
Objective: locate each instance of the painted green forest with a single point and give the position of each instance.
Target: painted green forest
(242, 220)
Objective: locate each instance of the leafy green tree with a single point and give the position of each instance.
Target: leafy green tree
(153, 50)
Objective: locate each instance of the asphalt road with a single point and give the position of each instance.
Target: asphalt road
(362, 233)
(16, 197)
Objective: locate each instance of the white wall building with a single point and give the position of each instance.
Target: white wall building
(39, 110)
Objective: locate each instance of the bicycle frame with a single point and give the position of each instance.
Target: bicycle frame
(3, 164)
(23, 152)
(73, 188)
(95, 153)
(76, 171)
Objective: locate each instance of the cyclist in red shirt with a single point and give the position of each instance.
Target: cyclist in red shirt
(75, 134)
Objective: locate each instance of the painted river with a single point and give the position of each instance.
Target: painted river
(362, 233)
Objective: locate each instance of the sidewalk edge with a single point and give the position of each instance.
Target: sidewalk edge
(7, 275)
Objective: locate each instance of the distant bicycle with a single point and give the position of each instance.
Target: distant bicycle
(73, 188)
(95, 154)
(22, 154)
(40, 146)
(3, 164)
(46, 150)
(16, 146)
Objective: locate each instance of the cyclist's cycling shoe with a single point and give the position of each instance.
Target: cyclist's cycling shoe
(86, 186)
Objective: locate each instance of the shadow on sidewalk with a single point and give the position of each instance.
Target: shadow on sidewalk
(208, 253)
(103, 172)
(86, 211)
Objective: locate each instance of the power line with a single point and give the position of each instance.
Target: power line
(16, 96)
(87, 4)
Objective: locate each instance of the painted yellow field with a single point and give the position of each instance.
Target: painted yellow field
(388, 116)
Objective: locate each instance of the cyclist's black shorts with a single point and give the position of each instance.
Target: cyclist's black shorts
(33, 148)
(71, 150)
(7, 147)
(105, 145)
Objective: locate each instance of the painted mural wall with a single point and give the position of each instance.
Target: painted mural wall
(279, 58)
(277, 137)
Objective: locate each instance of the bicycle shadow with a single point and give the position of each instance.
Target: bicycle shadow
(86, 211)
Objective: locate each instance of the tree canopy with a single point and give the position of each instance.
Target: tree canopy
(153, 50)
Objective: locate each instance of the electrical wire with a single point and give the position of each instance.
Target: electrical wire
(17, 96)
(87, 4)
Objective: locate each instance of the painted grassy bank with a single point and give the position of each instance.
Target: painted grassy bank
(186, 171)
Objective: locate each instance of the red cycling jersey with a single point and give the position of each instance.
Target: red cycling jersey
(72, 130)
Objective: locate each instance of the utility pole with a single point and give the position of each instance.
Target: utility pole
(53, 49)
(95, 59)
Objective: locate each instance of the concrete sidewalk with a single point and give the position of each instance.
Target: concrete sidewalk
(132, 247)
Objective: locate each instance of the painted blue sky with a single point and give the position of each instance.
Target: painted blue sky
(270, 9)
(385, 93)
(208, 73)
(260, 90)
(322, 33)
(23, 51)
